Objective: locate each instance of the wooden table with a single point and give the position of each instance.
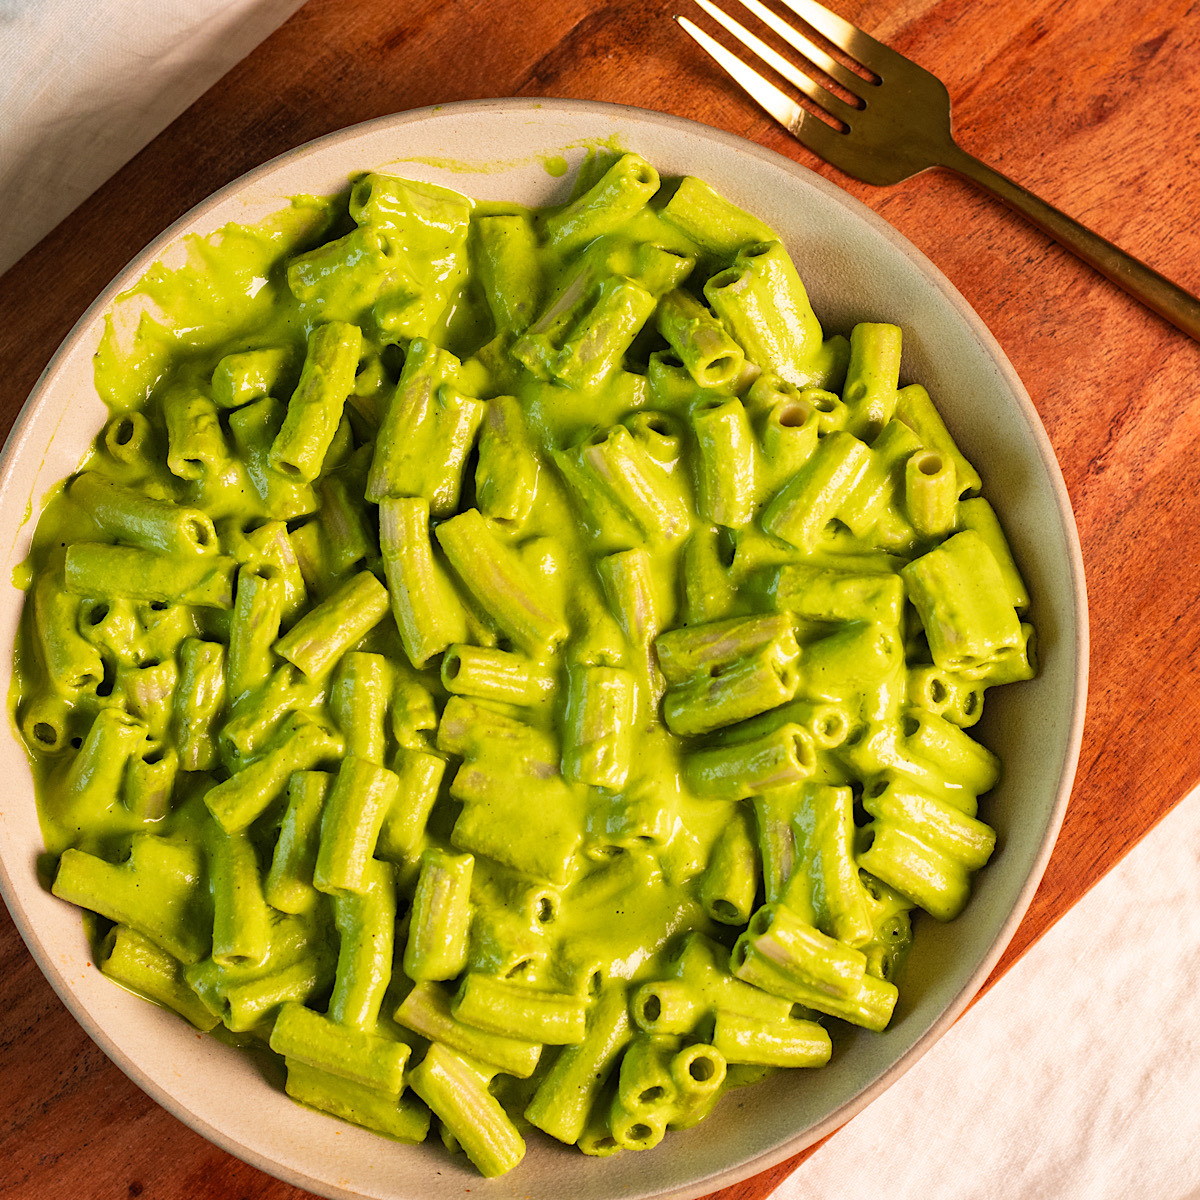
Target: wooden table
(1097, 115)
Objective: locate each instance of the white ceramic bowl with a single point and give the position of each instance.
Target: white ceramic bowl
(856, 268)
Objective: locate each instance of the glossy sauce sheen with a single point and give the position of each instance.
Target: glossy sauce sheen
(628, 865)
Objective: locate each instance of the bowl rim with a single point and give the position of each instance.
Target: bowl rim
(23, 428)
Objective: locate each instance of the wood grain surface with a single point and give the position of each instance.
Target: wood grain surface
(1093, 105)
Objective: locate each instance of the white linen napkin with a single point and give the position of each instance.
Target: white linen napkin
(85, 84)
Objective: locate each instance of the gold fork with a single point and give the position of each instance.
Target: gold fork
(900, 126)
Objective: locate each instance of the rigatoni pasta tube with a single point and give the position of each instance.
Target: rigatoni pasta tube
(142, 520)
(344, 276)
(859, 660)
(349, 537)
(359, 698)
(532, 1013)
(725, 469)
(495, 675)
(289, 883)
(832, 413)
(762, 302)
(92, 785)
(760, 681)
(871, 1006)
(149, 783)
(930, 879)
(300, 744)
(730, 880)
(872, 378)
(426, 1010)
(645, 1082)
(127, 437)
(253, 628)
(250, 375)
(930, 493)
(711, 645)
(72, 663)
(241, 918)
(315, 407)
(776, 841)
(43, 720)
(195, 443)
(629, 479)
(786, 755)
(703, 965)
(598, 727)
(708, 588)
(457, 1093)
(667, 1006)
(404, 1120)
(136, 963)
(441, 915)
(884, 478)
(942, 825)
(301, 1035)
(802, 508)
(447, 437)
(712, 357)
(509, 270)
(252, 720)
(799, 1043)
(506, 477)
(658, 433)
(620, 192)
(971, 765)
(825, 884)
(917, 411)
(154, 892)
(628, 586)
(420, 776)
(498, 579)
(254, 427)
(358, 802)
(148, 690)
(428, 613)
(316, 642)
(568, 1092)
(978, 514)
(699, 1072)
(409, 420)
(366, 925)
(799, 949)
(819, 593)
(787, 439)
(96, 570)
(595, 344)
(199, 698)
(961, 596)
(712, 221)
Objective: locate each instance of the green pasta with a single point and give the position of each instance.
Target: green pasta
(315, 409)
(499, 607)
(317, 641)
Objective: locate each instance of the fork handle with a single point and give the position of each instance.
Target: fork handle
(1155, 291)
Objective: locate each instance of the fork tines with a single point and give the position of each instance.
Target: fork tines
(811, 131)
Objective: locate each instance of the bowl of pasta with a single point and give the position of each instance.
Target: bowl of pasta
(568, 632)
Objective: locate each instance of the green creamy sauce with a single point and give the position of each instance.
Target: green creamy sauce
(231, 294)
(630, 880)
